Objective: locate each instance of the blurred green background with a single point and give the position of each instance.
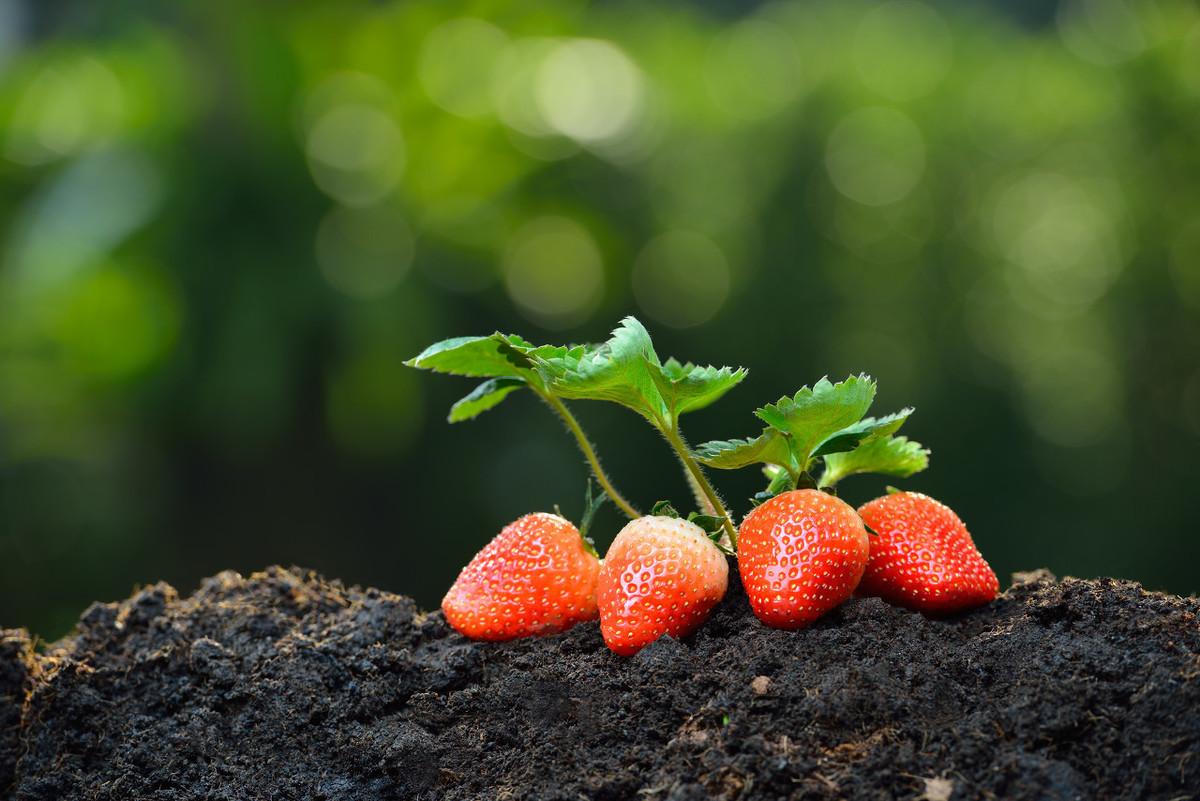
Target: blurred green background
(225, 225)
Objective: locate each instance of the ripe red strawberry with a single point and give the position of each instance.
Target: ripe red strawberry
(661, 575)
(535, 577)
(924, 557)
(800, 554)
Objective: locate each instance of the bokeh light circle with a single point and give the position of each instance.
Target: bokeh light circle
(1072, 395)
(903, 49)
(681, 279)
(355, 148)
(364, 253)
(554, 272)
(875, 156)
(1058, 239)
(753, 70)
(458, 61)
(589, 90)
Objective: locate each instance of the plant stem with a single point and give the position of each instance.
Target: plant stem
(685, 456)
(589, 453)
(698, 493)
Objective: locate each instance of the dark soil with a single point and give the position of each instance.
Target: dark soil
(287, 686)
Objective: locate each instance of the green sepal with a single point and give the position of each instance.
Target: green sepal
(759, 498)
(779, 481)
(884, 454)
(484, 397)
(712, 524)
(663, 509)
(591, 505)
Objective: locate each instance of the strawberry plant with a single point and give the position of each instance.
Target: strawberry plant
(509, 363)
(626, 370)
(823, 425)
(802, 551)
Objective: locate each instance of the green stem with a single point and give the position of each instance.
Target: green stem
(698, 493)
(589, 453)
(685, 456)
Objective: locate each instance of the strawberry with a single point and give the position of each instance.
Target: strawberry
(662, 575)
(800, 554)
(535, 577)
(924, 557)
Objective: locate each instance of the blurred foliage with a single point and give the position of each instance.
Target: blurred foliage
(226, 224)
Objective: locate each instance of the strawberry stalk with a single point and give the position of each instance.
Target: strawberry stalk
(705, 494)
(589, 453)
(627, 371)
(509, 363)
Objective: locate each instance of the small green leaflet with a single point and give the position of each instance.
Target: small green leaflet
(506, 360)
(626, 370)
(826, 419)
(850, 436)
(484, 397)
(730, 454)
(509, 363)
(891, 456)
(482, 357)
(813, 415)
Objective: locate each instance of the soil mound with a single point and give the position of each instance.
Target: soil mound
(285, 685)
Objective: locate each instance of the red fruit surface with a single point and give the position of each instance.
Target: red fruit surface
(800, 554)
(535, 577)
(924, 557)
(662, 575)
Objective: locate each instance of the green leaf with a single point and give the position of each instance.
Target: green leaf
(619, 371)
(826, 419)
(688, 387)
(891, 456)
(495, 356)
(730, 454)
(627, 370)
(484, 397)
(811, 416)
(797, 426)
(849, 437)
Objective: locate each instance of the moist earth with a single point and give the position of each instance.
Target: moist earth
(285, 685)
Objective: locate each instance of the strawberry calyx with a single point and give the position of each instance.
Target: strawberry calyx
(509, 363)
(713, 526)
(627, 370)
(591, 505)
(663, 509)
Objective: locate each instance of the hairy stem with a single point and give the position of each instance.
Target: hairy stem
(589, 453)
(698, 493)
(701, 481)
